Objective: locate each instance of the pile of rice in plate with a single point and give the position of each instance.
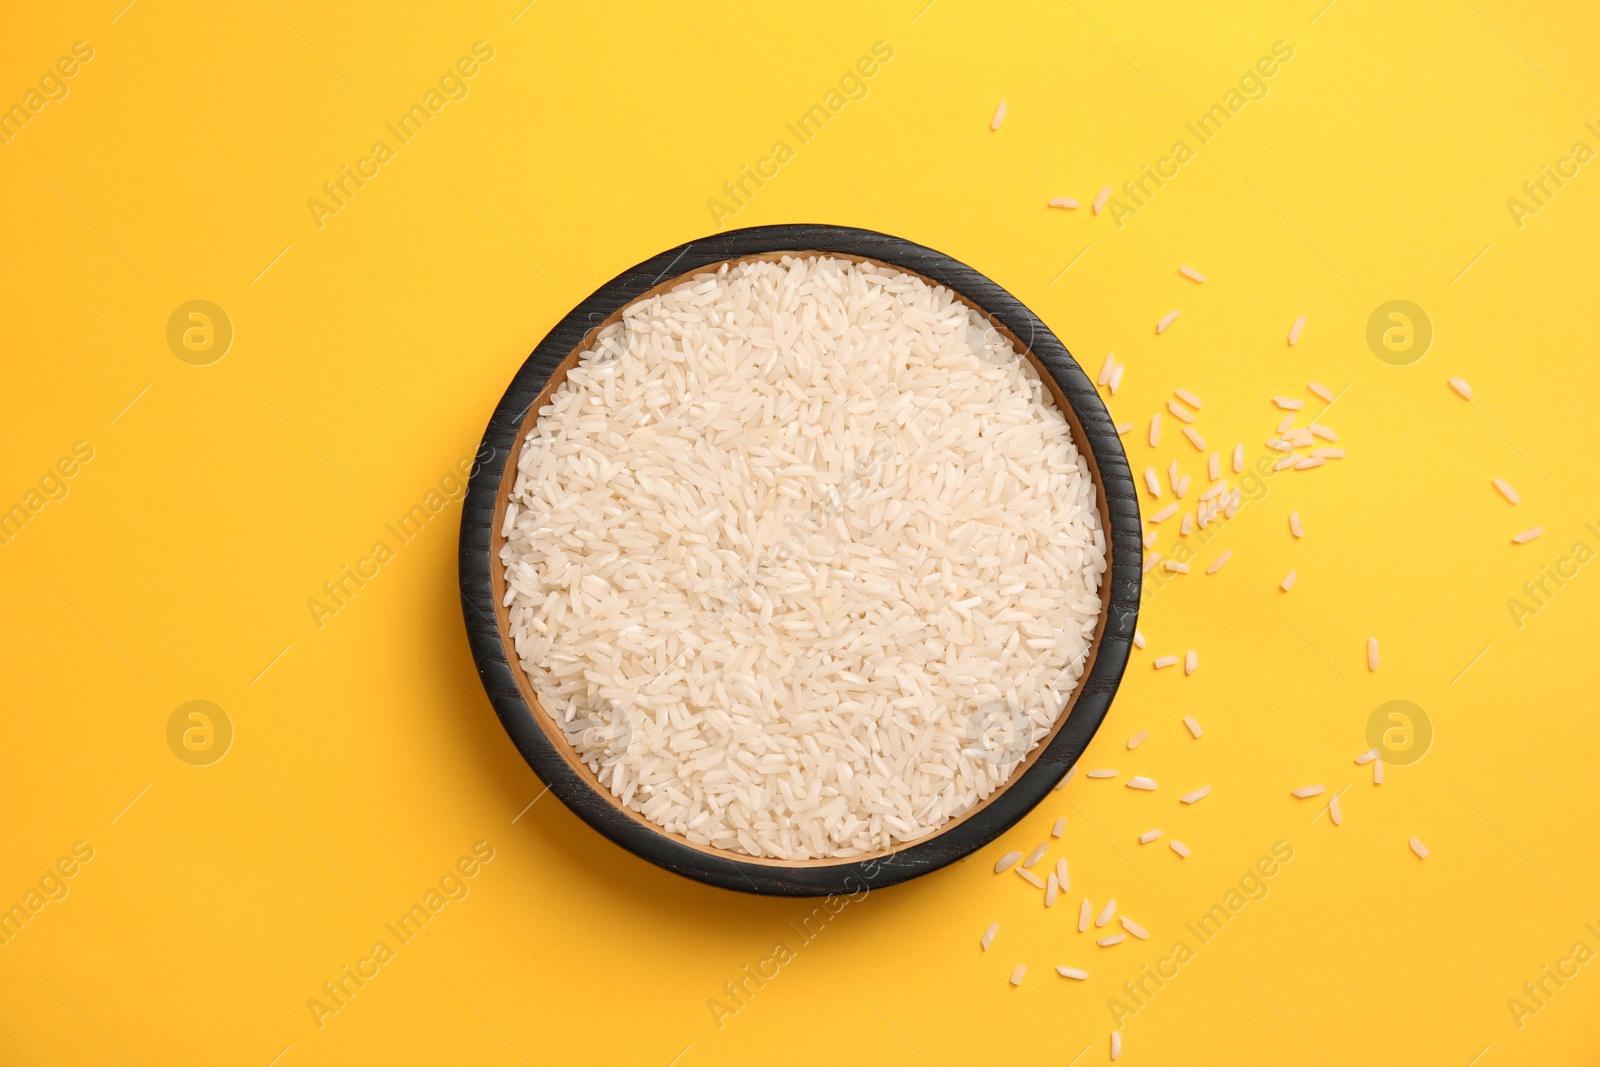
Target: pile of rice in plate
(801, 558)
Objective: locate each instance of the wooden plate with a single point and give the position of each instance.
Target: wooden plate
(540, 740)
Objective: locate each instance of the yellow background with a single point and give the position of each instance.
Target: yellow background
(368, 356)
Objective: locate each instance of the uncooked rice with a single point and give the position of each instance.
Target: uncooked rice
(783, 533)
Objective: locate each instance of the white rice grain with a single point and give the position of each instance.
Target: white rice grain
(1167, 320)
(1194, 726)
(1100, 199)
(1031, 878)
(1165, 661)
(1006, 862)
(1294, 524)
(1134, 928)
(1063, 202)
(1037, 854)
(1017, 974)
(1052, 886)
(1189, 272)
(1309, 791)
(1320, 390)
(1085, 915)
(1111, 939)
(1072, 972)
(1191, 662)
(1059, 828)
(1295, 328)
(1460, 386)
(1106, 912)
(1288, 581)
(1221, 561)
(1199, 794)
(999, 116)
(1138, 739)
(657, 587)
(1527, 535)
(1180, 848)
(1155, 430)
(1333, 810)
(988, 935)
(1506, 491)
(1149, 836)
(1372, 653)
(1368, 756)
(1141, 782)
(1420, 849)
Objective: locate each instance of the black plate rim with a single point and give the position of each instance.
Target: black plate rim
(1023, 792)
